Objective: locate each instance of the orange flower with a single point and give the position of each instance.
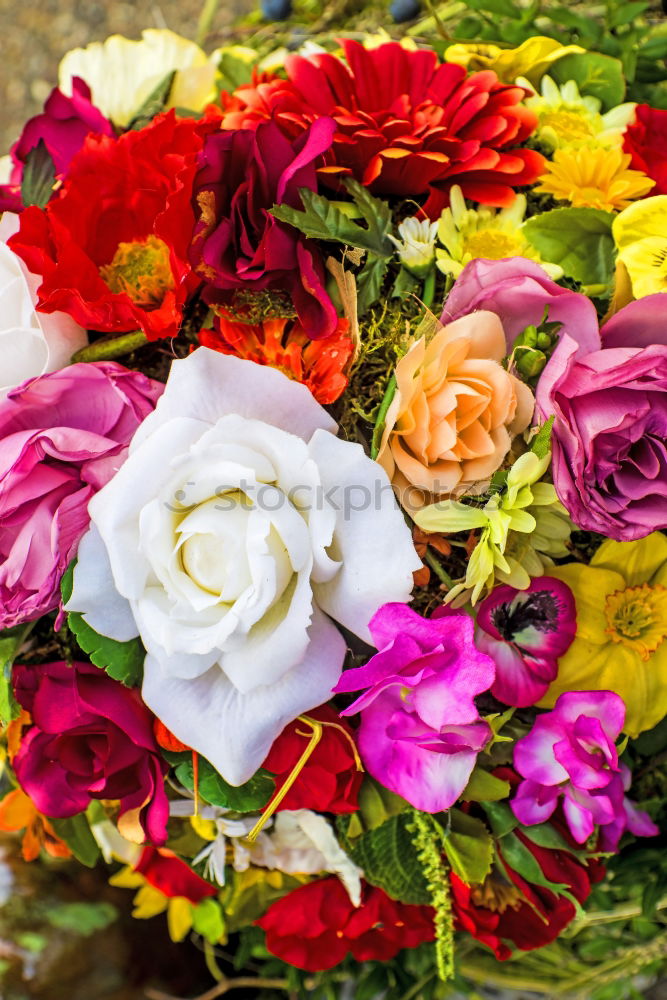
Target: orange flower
(18, 812)
(282, 344)
(423, 541)
(454, 413)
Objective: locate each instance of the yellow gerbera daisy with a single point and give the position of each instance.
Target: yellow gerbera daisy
(594, 177)
(620, 645)
(468, 233)
(640, 233)
(568, 120)
(531, 59)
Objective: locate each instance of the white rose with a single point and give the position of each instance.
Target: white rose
(31, 343)
(236, 530)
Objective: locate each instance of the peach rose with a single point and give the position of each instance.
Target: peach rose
(455, 411)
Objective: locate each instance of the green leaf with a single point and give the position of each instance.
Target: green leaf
(485, 787)
(389, 859)
(235, 68)
(39, 176)
(541, 443)
(75, 832)
(524, 862)
(376, 213)
(207, 920)
(10, 643)
(381, 419)
(376, 805)
(595, 74)
(579, 239)
(469, 847)
(82, 918)
(626, 13)
(250, 797)
(546, 835)
(369, 282)
(506, 8)
(322, 219)
(405, 285)
(154, 103)
(501, 818)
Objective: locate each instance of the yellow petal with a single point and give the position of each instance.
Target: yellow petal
(179, 918)
(590, 586)
(127, 878)
(148, 902)
(638, 562)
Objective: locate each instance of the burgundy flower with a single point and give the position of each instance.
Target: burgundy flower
(237, 244)
(91, 738)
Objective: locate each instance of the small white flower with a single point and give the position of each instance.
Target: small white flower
(416, 248)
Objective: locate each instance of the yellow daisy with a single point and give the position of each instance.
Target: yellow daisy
(568, 120)
(640, 233)
(594, 177)
(468, 233)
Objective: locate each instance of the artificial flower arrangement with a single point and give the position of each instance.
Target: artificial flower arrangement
(334, 614)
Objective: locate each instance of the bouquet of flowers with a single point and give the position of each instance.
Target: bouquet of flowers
(334, 612)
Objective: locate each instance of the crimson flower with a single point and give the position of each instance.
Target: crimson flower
(171, 876)
(646, 141)
(316, 926)
(283, 344)
(405, 125)
(112, 247)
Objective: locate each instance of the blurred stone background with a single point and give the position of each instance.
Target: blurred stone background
(35, 34)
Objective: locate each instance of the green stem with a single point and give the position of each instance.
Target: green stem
(429, 289)
(436, 566)
(114, 347)
(205, 22)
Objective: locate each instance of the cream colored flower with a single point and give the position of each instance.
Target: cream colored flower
(122, 73)
(566, 119)
(416, 248)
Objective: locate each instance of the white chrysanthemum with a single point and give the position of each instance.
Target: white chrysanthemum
(122, 73)
(416, 248)
(566, 119)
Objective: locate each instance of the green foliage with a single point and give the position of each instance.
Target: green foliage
(469, 847)
(39, 176)
(10, 643)
(500, 817)
(578, 239)
(541, 443)
(208, 920)
(376, 805)
(124, 661)
(595, 74)
(485, 787)
(154, 103)
(388, 858)
(428, 838)
(250, 797)
(75, 832)
(82, 918)
(381, 419)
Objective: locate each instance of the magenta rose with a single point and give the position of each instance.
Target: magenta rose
(91, 738)
(609, 450)
(62, 437)
(62, 126)
(518, 291)
(237, 244)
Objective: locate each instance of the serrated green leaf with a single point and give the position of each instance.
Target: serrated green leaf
(389, 859)
(369, 282)
(501, 818)
(376, 805)
(485, 787)
(10, 643)
(541, 443)
(207, 920)
(39, 176)
(154, 103)
(375, 212)
(469, 847)
(75, 832)
(595, 74)
(82, 918)
(578, 239)
(250, 797)
(322, 219)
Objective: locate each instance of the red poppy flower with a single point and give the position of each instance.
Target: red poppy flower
(646, 141)
(406, 126)
(316, 926)
(330, 781)
(283, 344)
(112, 247)
(172, 876)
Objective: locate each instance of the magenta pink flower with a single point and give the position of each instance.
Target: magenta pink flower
(524, 632)
(62, 437)
(420, 730)
(570, 756)
(92, 738)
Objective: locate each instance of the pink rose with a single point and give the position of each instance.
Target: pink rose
(62, 437)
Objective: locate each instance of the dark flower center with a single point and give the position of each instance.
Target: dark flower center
(539, 610)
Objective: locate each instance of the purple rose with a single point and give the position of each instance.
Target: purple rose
(63, 125)
(609, 450)
(62, 437)
(237, 244)
(420, 730)
(91, 738)
(518, 291)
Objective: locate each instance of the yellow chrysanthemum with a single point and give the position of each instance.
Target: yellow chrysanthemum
(468, 233)
(122, 73)
(620, 643)
(531, 59)
(640, 233)
(595, 178)
(568, 120)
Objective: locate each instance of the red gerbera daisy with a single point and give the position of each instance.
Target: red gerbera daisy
(407, 126)
(283, 344)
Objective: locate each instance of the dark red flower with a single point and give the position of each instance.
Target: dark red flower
(238, 246)
(63, 126)
(172, 876)
(316, 926)
(112, 247)
(330, 780)
(91, 738)
(405, 125)
(283, 344)
(646, 141)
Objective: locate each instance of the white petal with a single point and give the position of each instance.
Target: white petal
(24, 354)
(94, 593)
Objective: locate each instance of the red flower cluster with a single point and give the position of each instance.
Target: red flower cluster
(405, 125)
(112, 247)
(283, 344)
(330, 781)
(646, 141)
(316, 926)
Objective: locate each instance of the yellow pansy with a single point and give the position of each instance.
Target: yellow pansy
(531, 59)
(469, 233)
(594, 178)
(122, 73)
(566, 119)
(640, 233)
(620, 646)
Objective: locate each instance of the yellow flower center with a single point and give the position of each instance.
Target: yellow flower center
(637, 618)
(496, 895)
(493, 243)
(140, 269)
(568, 125)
